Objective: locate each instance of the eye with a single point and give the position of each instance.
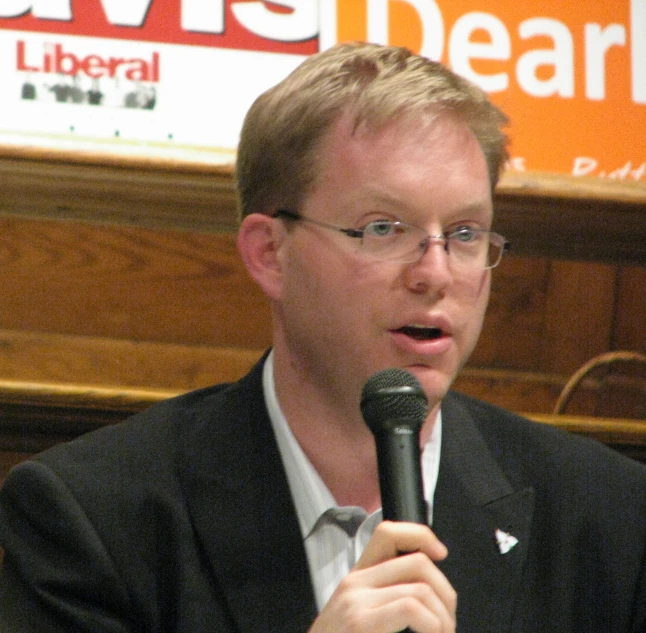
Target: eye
(465, 234)
(382, 228)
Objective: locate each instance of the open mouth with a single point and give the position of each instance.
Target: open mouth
(420, 333)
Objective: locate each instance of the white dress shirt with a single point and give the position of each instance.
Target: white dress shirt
(334, 536)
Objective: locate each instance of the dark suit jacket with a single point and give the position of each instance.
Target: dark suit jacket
(181, 520)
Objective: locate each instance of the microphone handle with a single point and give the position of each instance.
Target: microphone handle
(400, 475)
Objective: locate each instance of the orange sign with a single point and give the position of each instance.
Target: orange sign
(570, 74)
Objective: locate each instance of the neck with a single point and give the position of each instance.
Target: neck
(334, 438)
(332, 435)
(341, 450)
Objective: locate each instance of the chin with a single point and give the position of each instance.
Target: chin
(435, 384)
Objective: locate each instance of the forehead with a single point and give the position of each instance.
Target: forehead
(408, 162)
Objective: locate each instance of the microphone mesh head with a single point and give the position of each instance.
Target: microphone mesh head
(393, 395)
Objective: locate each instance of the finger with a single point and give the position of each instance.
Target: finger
(408, 570)
(413, 609)
(420, 569)
(412, 596)
(409, 613)
(391, 538)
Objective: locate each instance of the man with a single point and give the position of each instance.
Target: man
(365, 183)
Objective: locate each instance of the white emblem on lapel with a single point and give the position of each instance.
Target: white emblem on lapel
(505, 541)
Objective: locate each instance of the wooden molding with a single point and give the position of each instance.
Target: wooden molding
(152, 194)
(624, 435)
(34, 416)
(561, 217)
(81, 397)
(541, 214)
(119, 365)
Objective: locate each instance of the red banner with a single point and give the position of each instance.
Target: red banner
(282, 27)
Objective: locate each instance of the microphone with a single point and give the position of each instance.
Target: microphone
(394, 406)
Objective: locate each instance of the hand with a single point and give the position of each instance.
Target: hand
(386, 592)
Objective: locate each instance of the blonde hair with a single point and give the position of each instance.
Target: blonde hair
(276, 164)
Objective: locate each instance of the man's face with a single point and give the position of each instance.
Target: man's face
(343, 316)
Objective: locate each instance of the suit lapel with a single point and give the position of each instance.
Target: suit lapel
(243, 512)
(473, 502)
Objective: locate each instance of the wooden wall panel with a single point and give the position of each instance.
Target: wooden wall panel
(57, 359)
(127, 273)
(630, 325)
(544, 215)
(515, 390)
(129, 283)
(513, 330)
(564, 217)
(117, 190)
(184, 288)
(579, 314)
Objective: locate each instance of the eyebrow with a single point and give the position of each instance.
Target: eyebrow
(478, 206)
(379, 197)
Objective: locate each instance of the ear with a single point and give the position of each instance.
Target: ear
(259, 240)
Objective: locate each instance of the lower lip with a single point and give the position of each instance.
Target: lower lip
(427, 347)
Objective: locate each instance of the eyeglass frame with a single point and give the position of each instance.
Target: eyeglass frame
(503, 245)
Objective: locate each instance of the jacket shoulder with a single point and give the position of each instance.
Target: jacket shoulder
(527, 446)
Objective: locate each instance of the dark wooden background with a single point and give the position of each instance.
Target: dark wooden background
(127, 274)
(124, 274)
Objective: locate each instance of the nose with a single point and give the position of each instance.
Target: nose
(431, 272)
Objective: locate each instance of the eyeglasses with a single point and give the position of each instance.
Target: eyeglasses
(389, 240)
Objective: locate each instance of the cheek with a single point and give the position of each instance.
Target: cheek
(313, 284)
(338, 295)
(474, 304)
(482, 291)
(485, 291)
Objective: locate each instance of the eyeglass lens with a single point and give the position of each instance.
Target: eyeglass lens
(467, 248)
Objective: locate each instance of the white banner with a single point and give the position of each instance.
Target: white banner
(142, 97)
